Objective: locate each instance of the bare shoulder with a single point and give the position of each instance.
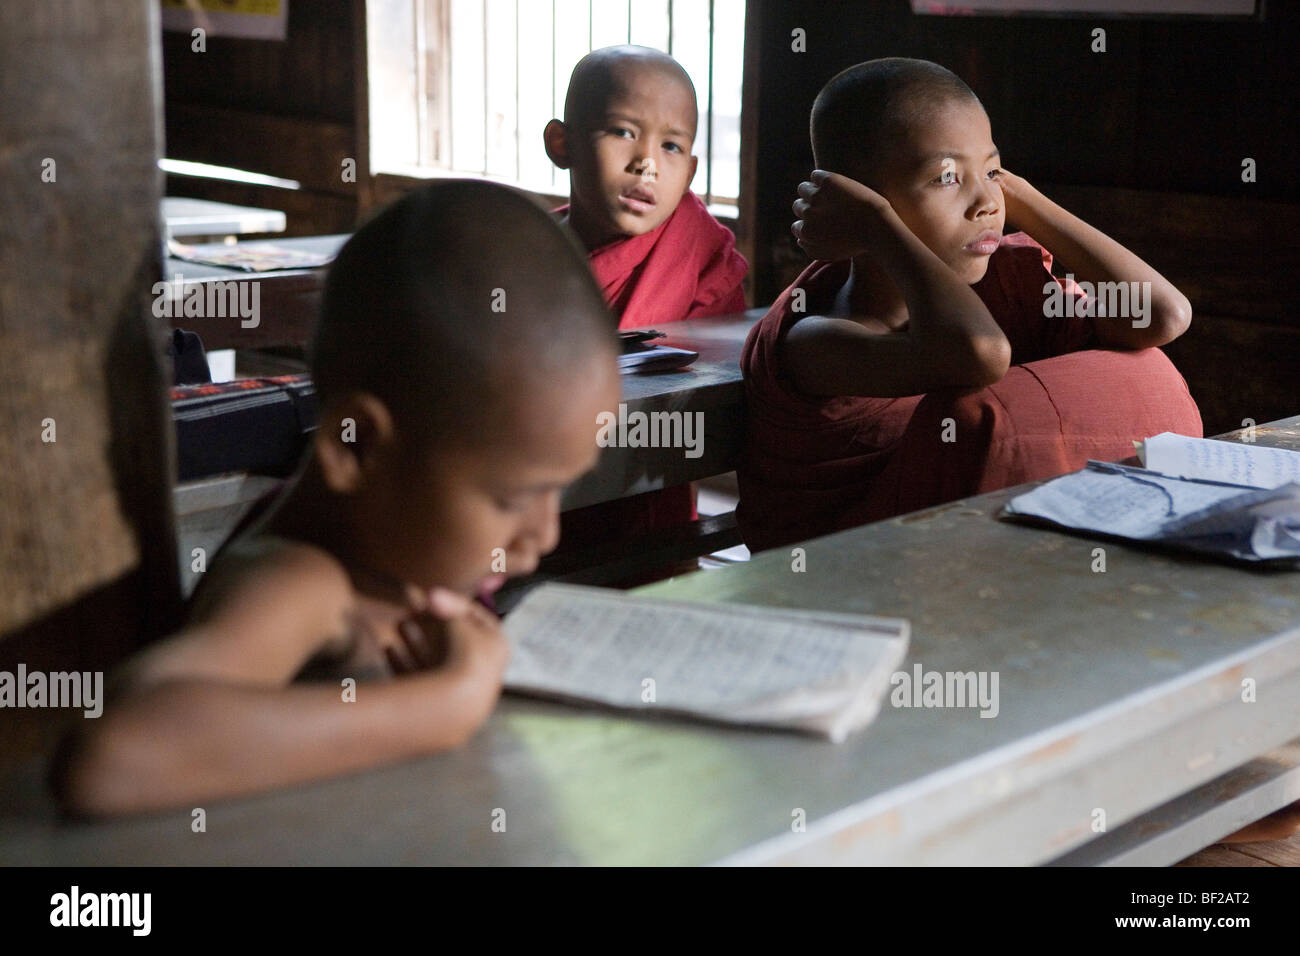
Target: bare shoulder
(269, 606)
(257, 564)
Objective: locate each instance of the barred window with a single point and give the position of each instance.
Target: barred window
(466, 86)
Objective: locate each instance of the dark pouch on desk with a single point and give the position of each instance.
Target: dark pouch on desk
(638, 355)
(634, 340)
(189, 361)
(655, 358)
(258, 425)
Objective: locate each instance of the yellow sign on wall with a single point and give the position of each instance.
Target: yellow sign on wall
(255, 19)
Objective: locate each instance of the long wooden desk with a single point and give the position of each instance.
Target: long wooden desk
(712, 387)
(208, 509)
(185, 218)
(1119, 692)
(288, 299)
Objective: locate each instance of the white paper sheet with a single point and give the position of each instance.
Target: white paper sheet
(1246, 523)
(1254, 466)
(1113, 499)
(815, 671)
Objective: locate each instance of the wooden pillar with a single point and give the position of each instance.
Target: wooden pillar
(88, 567)
(752, 234)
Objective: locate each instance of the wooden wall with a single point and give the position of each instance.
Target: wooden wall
(291, 109)
(1144, 141)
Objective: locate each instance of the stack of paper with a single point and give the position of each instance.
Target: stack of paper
(1214, 497)
(819, 672)
(248, 258)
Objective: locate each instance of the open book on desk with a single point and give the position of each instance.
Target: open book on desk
(1213, 497)
(819, 672)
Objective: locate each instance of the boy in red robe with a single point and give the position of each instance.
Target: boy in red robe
(630, 119)
(629, 124)
(928, 357)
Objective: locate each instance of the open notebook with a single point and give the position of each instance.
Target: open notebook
(818, 672)
(1197, 494)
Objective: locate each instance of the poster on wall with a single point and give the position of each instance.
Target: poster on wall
(1105, 8)
(251, 19)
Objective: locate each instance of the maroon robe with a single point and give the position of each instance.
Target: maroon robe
(815, 465)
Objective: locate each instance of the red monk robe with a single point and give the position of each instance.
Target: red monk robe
(686, 268)
(815, 465)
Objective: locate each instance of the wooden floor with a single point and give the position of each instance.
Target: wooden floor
(1267, 853)
(1276, 852)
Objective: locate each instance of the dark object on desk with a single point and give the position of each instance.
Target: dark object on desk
(254, 424)
(638, 356)
(631, 338)
(189, 361)
(654, 358)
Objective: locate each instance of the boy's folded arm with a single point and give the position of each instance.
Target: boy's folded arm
(951, 339)
(187, 741)
(1092, 256)
(209, 712)
(830, 357)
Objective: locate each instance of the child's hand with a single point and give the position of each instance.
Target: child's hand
(839, 217)
(1016, 194)
(423, 647)
(1092, 256)
(454, 632)
(476, 645)
(457, 640)
(476, 658)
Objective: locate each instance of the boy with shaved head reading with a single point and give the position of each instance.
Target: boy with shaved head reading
(448, 427)
(629, 124)
(925, 356)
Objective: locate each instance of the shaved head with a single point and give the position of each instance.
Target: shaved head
(451, 303)
(864, 109)
(606, 73)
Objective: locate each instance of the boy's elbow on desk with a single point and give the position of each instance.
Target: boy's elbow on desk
(92, 774)
(988, 361)
(1177, 317)
(966, 361)
(1168, 321)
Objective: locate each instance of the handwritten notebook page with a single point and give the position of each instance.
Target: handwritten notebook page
(1254, 466)
(820, 672)
(1248, 524)
(1115, 499)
